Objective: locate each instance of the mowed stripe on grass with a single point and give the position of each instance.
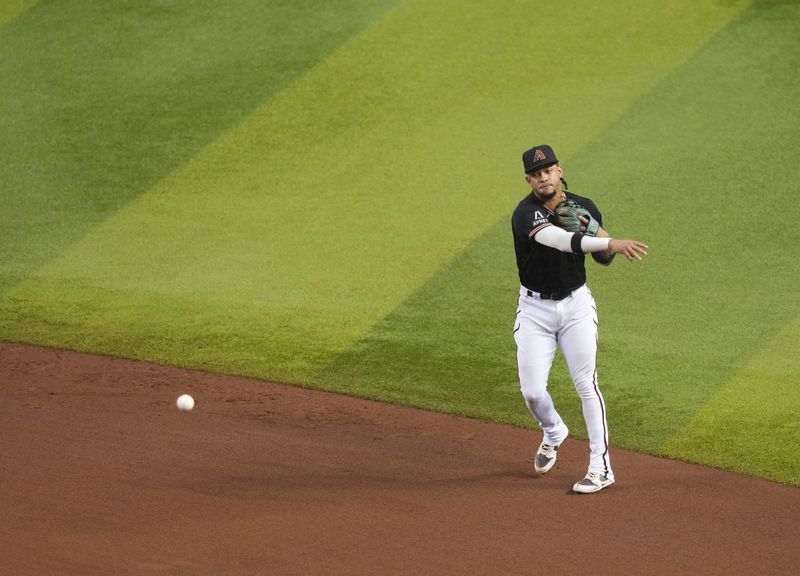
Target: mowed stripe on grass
(100, 100)
(283, 242)
(752, 423)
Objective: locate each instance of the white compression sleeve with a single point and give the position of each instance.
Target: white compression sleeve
(594, 244)
(560, 239)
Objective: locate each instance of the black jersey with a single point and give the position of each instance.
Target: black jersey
(541, 268)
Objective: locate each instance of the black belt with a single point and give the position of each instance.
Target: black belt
(560, 295)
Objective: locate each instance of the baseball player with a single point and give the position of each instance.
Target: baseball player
(553, 230)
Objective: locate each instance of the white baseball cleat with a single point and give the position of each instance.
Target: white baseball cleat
(545, 458)
(593, 482)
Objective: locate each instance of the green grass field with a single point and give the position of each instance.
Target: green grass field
(319, 193)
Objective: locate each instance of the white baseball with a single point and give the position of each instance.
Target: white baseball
(185, 402)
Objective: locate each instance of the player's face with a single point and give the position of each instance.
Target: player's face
(545, 183)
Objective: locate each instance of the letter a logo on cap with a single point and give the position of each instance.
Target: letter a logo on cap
(538, 155)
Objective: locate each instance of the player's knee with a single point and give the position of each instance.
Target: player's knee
(533, 394)
(586, 386)
(532, 383)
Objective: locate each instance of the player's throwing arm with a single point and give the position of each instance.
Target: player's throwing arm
(578, 242)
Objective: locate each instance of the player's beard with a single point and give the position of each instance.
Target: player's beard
(547, 196)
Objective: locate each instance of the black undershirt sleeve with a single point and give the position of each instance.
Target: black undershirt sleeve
(576, 243)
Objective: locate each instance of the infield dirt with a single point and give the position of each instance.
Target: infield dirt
(101, 474)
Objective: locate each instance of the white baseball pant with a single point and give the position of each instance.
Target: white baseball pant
(571, 324)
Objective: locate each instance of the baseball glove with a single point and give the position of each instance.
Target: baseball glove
(568, 214)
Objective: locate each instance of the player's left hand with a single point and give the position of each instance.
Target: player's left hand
(573, 217)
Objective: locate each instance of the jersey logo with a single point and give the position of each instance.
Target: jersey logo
(537, 216)
(538, 155)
